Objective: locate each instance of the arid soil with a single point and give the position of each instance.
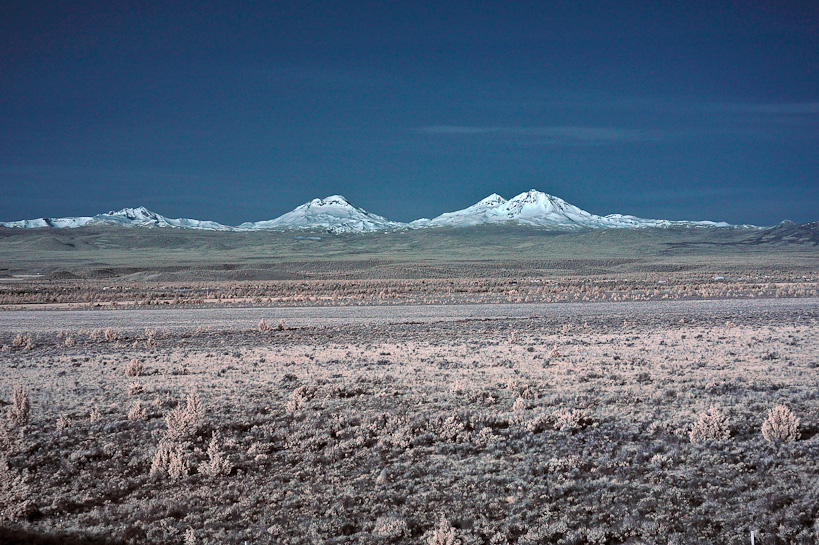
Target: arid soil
(566, 423)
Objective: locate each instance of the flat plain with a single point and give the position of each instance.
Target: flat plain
(586, 388)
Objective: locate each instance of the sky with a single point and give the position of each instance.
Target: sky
(240, 111)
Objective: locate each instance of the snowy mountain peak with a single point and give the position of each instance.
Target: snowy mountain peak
(332, 200)
(492, 200)
(333, 213)
(139, 213)
(536, 203)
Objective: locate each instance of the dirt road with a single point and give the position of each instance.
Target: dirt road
(245, 318)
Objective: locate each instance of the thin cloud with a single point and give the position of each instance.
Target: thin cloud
(798, 108)
(555, 134)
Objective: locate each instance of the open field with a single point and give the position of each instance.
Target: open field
(491, 264)
(561, 423)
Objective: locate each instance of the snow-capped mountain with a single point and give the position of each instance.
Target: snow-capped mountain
(336, 215)
(544, 210)
(332, 214)
(481, 212)
(127, 216)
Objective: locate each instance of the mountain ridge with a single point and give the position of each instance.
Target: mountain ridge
(335, 214)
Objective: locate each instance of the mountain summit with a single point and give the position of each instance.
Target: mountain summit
(332, 214)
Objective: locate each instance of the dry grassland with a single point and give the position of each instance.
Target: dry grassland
(600, 428)
(137, 268)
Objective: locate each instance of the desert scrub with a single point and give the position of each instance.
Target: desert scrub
(710, 425)
(444, 534)
(520, 405)
(135, 388)
(137, 412)
(19, 341)
(297, 400)
(20, 409)
(23, 341)
(63, 422)
(780, 426)
(390, 527)
(184, 421)
(134, 368)
(217, 464)
(14, 493)
(263, 327)
(169, 460)
(569, 419)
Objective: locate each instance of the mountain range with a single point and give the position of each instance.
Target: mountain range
(336, 215)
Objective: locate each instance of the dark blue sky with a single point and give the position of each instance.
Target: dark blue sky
(243, 110)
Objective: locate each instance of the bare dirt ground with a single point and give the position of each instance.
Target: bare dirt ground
(562, 423)
(313, 317)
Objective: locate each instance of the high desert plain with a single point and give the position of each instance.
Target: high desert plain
(480, 385)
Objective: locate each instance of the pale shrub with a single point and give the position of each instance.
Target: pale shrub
(135, 388)
(184, 421)
(282, 325)
(178, 466)
(710, 425)
(457, 388)
(217, 463)
(63, 423)
(444, 534)
(569, 419)
(781, 425)
(23, 341)
(297, 400)
(190, 537)
(536, 422)
(391, 527)
(169, 460)
(263, 327)
(137, 411)
(20, 409)
(69, 342)
(179, 424)
(194, 407)
(520, 405)
(134, 368)
(110, 334)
